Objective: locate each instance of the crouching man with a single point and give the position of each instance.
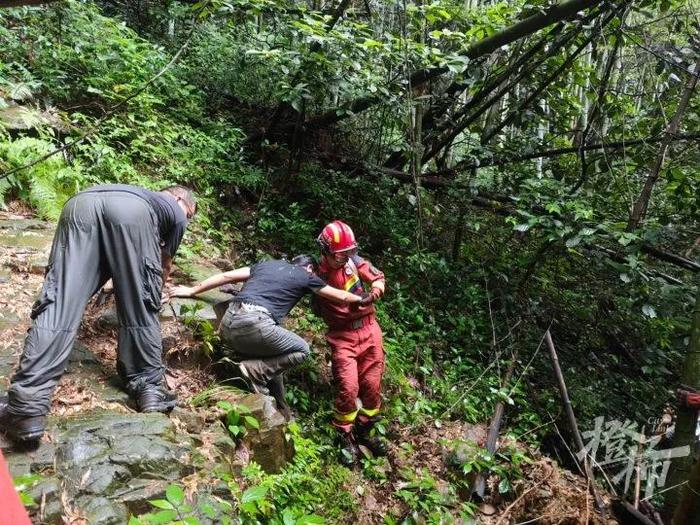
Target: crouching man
(251, 328)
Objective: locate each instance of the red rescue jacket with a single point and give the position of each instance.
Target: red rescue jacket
(351, 277)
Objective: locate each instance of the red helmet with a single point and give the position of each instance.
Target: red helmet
(337, 237)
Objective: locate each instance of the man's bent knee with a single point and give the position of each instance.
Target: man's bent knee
(305, 349)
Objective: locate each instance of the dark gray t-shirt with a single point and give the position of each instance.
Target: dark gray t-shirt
(171, 219)
(278, 286)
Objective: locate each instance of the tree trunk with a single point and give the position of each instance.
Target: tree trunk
(682, 469)
(417, 166)
(542, 128)
(640, 207)
(582, 123)
(568, 408)
(542, 86)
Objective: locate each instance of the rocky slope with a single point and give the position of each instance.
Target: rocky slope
(101, 461)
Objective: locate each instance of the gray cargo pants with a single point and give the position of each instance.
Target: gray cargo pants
(99, 235)
(266, 349)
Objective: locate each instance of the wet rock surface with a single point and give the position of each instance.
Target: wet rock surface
(100, 461)
(101, 464)
(268, 444)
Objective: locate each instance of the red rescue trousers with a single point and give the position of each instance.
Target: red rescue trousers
(11, 509)
(358, 364)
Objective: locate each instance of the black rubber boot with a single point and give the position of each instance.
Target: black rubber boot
(349, 451)
(20, 428)
(153, 398)
(367, 436)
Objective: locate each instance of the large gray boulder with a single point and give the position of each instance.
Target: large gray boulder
(104, 465)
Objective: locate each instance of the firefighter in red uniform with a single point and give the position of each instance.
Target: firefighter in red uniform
(355, 339)
(12, 512)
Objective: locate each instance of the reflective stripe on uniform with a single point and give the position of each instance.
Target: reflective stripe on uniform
(351, 282)
(345, 418)
(369, 412)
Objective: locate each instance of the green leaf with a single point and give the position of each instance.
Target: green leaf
(191, 520)
(175, 495)
(26, 499)
(249, 507)
(251, 422)
(242, 409)
(164, 516)
(224, 405)
(161, 504)
(288, 517)
(626, 238)
(504, 486)
(233, 418)
(369, 43)
(553, 207)
(311, 519)
(254, 494)
(573, 241)
(208, 510)
(649, 311)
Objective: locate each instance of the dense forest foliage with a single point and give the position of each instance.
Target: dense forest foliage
(512, 166)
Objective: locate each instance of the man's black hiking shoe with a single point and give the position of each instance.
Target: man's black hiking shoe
(154, 398)
(277, 391)
(20, 428)
(251, 384)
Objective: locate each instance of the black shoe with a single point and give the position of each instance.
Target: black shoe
(20, 428)
(349, 451)
(367, 437)
(251, 384)
(154, 398)
(277, 390)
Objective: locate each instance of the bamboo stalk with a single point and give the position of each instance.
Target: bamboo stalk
(566, 401)
(479, 485)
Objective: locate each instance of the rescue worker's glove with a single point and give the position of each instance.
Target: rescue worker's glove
(688, 399)
(376, 294)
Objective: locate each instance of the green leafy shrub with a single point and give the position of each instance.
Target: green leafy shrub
(238, 420)
(202, 329)
(175, 510)
(309, 490)
(45, 186)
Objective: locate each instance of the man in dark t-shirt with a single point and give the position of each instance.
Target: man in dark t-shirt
(125, 233)
(251, 325)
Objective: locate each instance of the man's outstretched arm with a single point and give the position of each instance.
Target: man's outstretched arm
(234, 276)
(338, 296)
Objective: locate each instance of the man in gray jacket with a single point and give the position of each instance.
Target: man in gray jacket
(251, 329)
(125, 233)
